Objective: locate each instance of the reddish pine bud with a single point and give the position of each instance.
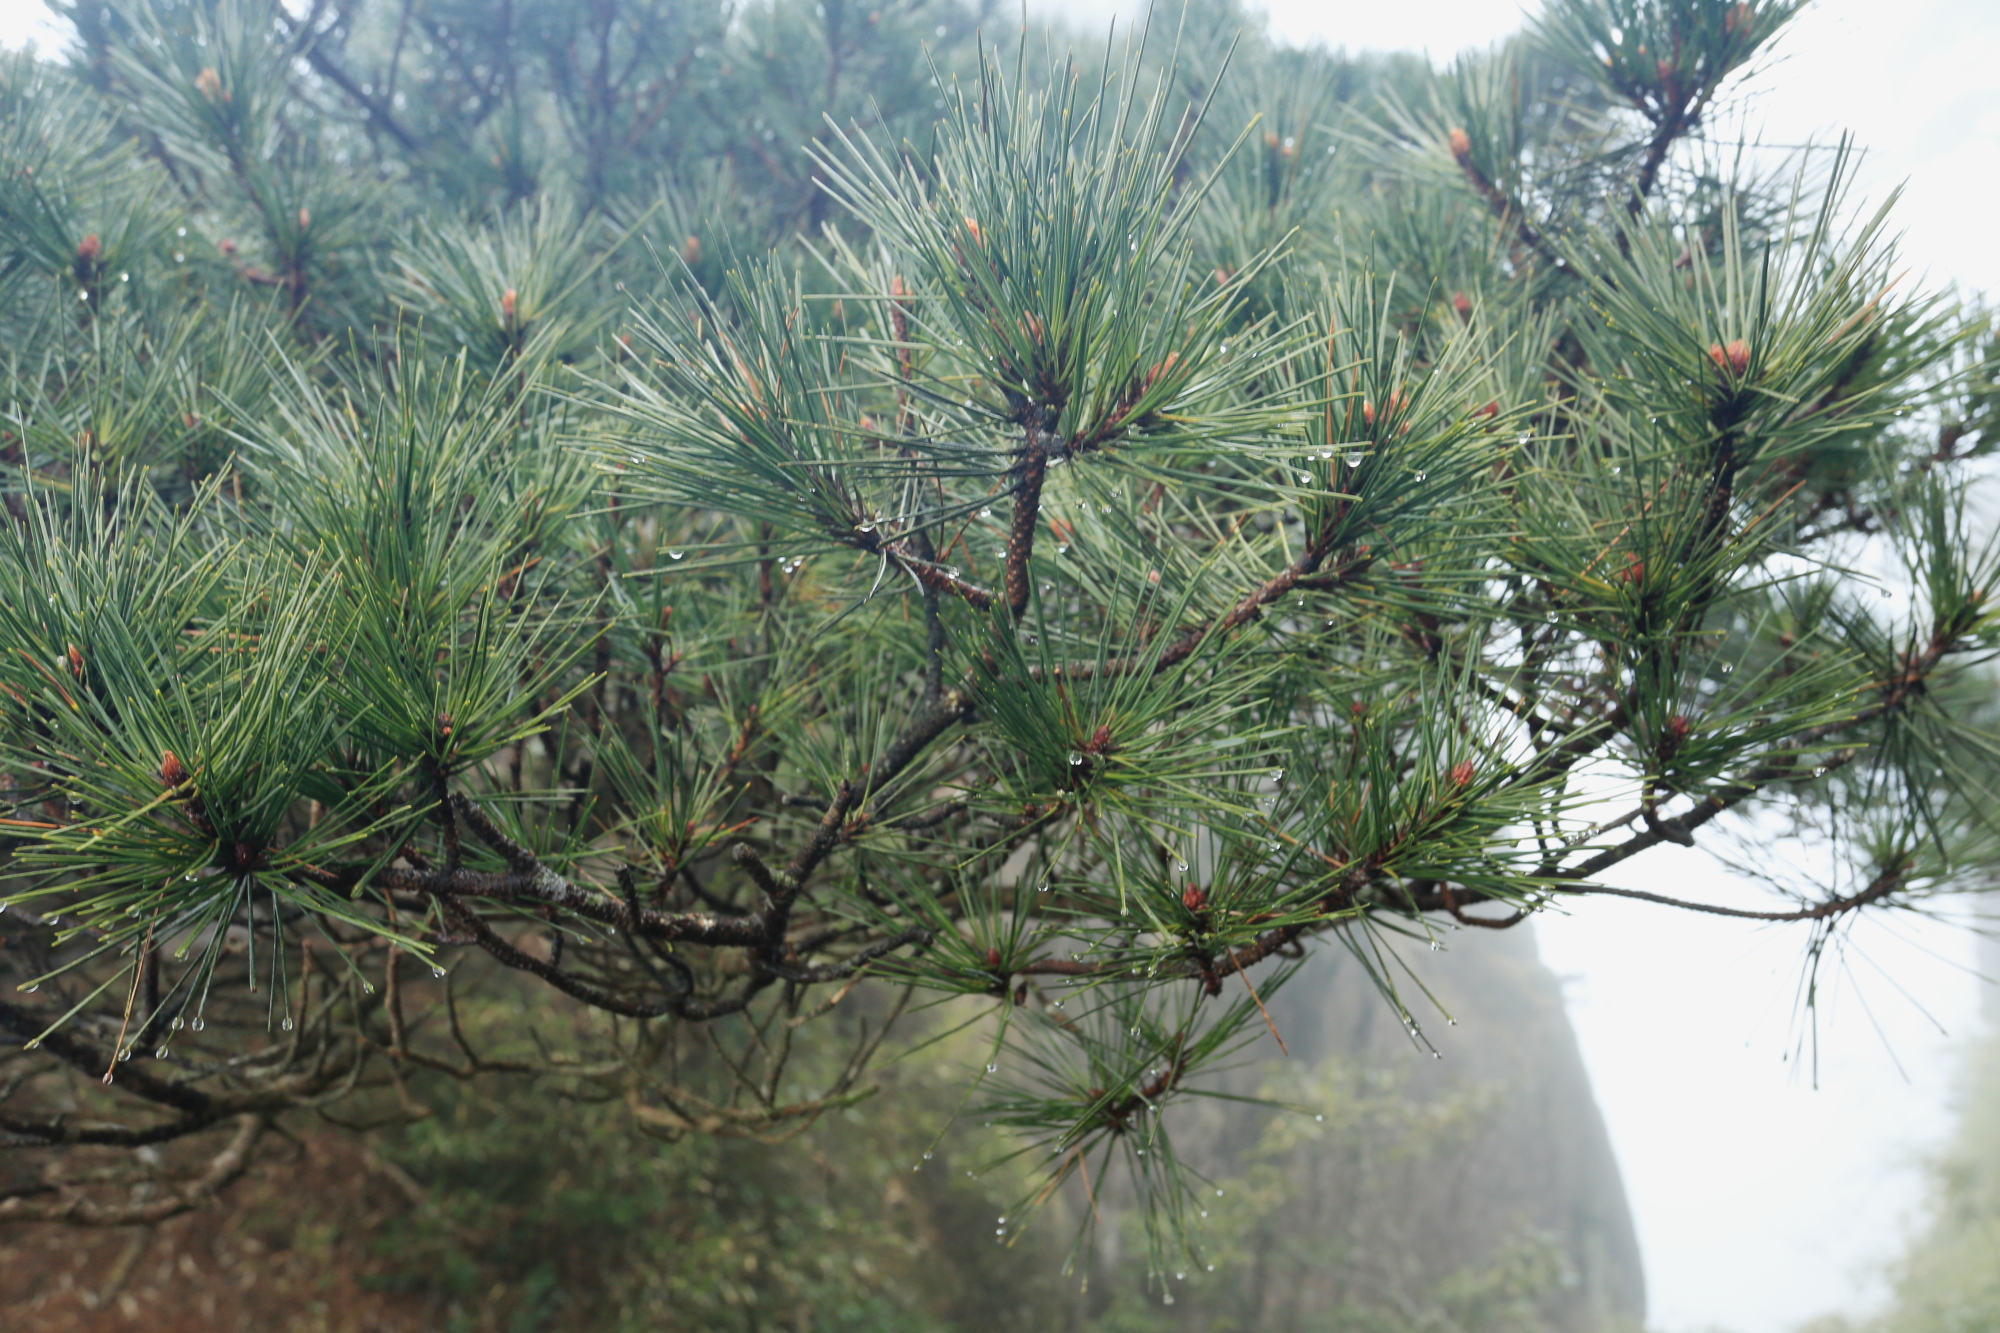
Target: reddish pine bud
(1358, 709)
(227, 246)
(444, 724)
(1733, 359)
(75, 661)
(1099, 742)
(992, 959)
(1193, 898)
(1635, 569)
(1223, 275)
(508, 303)
(1063, 531)
(88, 249)
(1461, 143)
(1462, 304)
(1367, 411)
(171, 772)
(305, 219)
(1663, 71)
(1461, 773)
(1160, 368)
(1491, 410)
(1153, 577)
(1737, 20)
(973, 227)
(691, 251)
(209, 84)
(1677, 727)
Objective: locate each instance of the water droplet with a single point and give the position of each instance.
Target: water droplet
(1435, 946)
(1075, 759)
(367, 988)
(675, 555)
(125, 1054)
(286, 1026)
(986, 513)
(927, 1154)
(33, 1044)
(108, 1080)
(1305, 479)
(1320, 1118)
(437, 971)
(1354, 458)
(1218, 1194)
(1043, 889)
(32, 987)
(160, 1053)
(992, 1069)
(1062, 548)
(1420, 476)
(199, 1023)
(178, 1023)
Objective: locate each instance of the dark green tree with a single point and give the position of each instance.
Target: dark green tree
(750, 521)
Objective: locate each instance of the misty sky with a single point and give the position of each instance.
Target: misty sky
(1760, 1201)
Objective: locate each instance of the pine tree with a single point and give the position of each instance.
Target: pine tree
(755, 524)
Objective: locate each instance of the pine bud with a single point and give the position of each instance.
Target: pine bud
(1733, 359)
(305, 219)
(1461, 144)
(1153, 577)
(209, 84)
(88, 249)
(75, 661)
(444, 724)
(1193, 898)
(508, 300)
(992, 959)
(171, 771)
(973, 227)
(1461, 773)
(227, 246)
(1462, 304)
(1491, 410)
(1737, 20)
(1677, 727)
(691, 251)
(1367, 411)
(1663, 72)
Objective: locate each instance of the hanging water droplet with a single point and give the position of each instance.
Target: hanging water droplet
(992, 1068)
(1354, 457)
(1435, 946)
(1075, 759)
(160, 1053)
(1420, 476)
(33, 1044)
(107, 1078)
(986, 513)
(927, 1154)
(1062, 548)
(1181, 866)
(125, 1054)
(437, 971)
(32, 987)
(199, 1023)
(178, 1023)
(1043, 889)
(1305, 479)
(286, 1026)
(675, 555)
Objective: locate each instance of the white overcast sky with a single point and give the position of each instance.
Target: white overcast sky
(1760, 1200)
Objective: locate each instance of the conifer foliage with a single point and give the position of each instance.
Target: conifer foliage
(752, 520)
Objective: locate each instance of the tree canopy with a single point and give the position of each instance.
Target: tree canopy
(758, 518)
